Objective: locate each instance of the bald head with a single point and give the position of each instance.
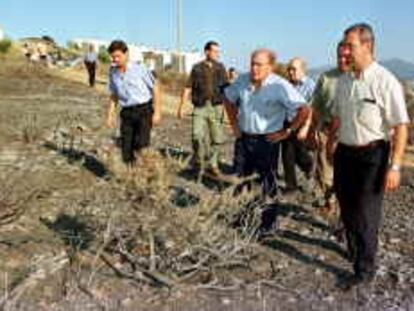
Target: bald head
(296, 69)
(266, 53)
(261, 64)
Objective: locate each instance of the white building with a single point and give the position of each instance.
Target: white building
(136, 52)
(155, 59)
(190, 59)
(1, 34)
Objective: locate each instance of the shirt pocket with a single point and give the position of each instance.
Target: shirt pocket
(369, 113)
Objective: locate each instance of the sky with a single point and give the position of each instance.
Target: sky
(304, 28)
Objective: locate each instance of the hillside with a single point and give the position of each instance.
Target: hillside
(402, 69)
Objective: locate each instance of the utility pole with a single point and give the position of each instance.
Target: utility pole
(179, 34)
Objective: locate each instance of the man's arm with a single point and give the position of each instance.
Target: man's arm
(399, 143)
(184, 98)
(318, 98)
(304, 130)
(332, 138)
(111, 112)
(232, 112)
(157, 103)
(301, 116)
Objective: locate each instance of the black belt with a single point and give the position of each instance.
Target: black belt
(370, 145)
(138, 106)
(248, 135)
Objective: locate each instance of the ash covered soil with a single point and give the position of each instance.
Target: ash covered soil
(77, 234)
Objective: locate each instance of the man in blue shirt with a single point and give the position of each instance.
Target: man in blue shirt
(294, 149)
(134, 88)
(257, 105)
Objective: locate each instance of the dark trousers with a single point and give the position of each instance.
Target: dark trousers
(358, 182)
(295, 152)
(255, 154)
(91, 68)
(136, 124)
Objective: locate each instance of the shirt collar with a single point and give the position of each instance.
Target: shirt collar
(367, 72)
(213, 63)
(301, 81)
(119, 73)
(266, 81)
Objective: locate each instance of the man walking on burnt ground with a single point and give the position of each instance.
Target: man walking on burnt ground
(321, 104)
(295, 151)
(370, 124)
(206, 84)
(134, 89)
(91, 62)
(257, 104)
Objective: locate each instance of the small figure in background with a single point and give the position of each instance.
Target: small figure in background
(91, 62)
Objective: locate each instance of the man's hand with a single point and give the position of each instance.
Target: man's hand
(330, 150)
(278, 136)
(392, 180)
(332, 141)
(303, 133)
(156, 118)
(180, 113)
(236, 132)
(110, 121)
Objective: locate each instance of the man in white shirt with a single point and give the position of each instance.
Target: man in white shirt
(91, 62)
(369, 116)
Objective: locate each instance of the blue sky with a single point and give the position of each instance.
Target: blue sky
(293, 28)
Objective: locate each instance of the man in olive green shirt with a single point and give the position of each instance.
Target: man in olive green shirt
(206, 84)
(321, 106)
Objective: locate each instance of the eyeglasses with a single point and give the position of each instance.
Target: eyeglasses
(256, 64)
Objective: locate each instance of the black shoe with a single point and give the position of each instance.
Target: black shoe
(356, 280)
(269, 225)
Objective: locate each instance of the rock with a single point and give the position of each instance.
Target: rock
(329, 299)
(394, 240)
(226, 301)
(127, 302)
(305, 231)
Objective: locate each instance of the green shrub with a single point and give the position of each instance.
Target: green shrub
(104, 56)
(172, 82)
(5, 46)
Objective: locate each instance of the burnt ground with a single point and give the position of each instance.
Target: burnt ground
(76, 234)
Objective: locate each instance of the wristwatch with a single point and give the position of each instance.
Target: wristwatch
(395, 167)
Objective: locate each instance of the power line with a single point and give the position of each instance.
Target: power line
(179, 34)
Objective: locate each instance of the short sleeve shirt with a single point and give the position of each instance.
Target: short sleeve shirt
(132, 87)
(263, 110)
(369, 106)
(324, 95)
(305, 87)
